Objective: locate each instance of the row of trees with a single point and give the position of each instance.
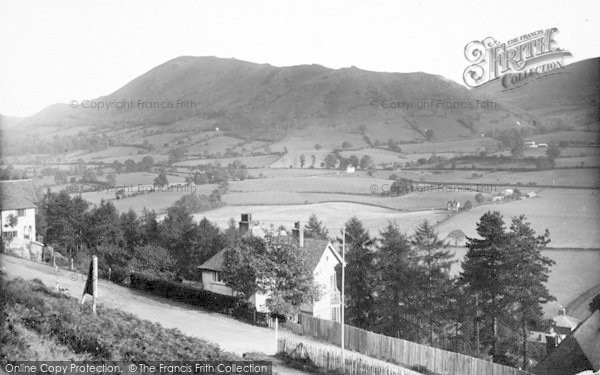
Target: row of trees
(171, 249)
(402, 286)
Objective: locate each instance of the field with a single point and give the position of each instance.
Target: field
(47, 325)
(333, 215)
(249, 161)
(571, 216)
(562, 177)
(342, 183)
(158, 201)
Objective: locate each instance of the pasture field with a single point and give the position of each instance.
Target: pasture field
(333, 215)
(562, 177)
(213, 145)
(410, 202)
(573, 136)
(465, 146)
(118, 152)
(249, 161)
(158, 201)
(341, 183)
(575, 162)
(571, 216)
(136, 158)
(145, 178)
(575, 271)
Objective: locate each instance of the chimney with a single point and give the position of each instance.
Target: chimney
(245, 223)
(298, 233)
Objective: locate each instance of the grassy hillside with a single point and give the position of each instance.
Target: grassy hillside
(41, 324)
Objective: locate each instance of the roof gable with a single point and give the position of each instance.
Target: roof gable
(17, 194)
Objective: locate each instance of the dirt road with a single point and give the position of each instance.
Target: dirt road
(228, 333)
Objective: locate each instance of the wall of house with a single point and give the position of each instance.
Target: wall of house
(25, 224)
(322, 274)
(212, 286)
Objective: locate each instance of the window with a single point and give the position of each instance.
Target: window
(21, 212)
(8, 236)
(332, 282)
(216, 278)
(335, 314)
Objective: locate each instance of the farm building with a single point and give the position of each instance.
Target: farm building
(322, 258)
(507, 193)
(453, 205)
(17, 220)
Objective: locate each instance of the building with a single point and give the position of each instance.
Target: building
(350, 169)
(453, 205)
(579, 351)
(18, 205)
(507, 193)
(322, 259)
(530, 144)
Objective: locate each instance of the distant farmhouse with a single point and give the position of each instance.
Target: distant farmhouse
(18, 205)
(453, 205)
(323, 259)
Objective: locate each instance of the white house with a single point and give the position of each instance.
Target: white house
(17, 218)
(322, 259)
(350, 169)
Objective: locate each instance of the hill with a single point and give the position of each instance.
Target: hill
(260, 101)
(563, 98)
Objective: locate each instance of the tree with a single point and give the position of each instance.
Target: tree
(354, 161)
(302, 160)
(429, 135)
(161, 179)
(483, 273)
(275, 267)
(313, 160)
(394, 292)
(433, 283)
(315, 228)
(102, 226)
(360, 275)
(366, 161)
(346, 144)
(147, 163)
(595, 304)
(528, 272)
(467, 206)
(553, 152)
(479, 198)
(330, 161)
(456, 235)
(129, 223)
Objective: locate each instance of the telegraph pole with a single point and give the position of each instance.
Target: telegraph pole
(343, 284)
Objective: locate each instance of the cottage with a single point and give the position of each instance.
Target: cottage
(17, 218)
(350, 169)
(579, 351)
(453, 205)
(498, 198)
(322, 259)
(530, 144)
(531, 194)
(507, 193)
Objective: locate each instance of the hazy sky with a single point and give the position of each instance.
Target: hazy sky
(57, 51)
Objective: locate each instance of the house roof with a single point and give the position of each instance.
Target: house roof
(215, 263)
(566, 321)
(17, 194)
(314, 248)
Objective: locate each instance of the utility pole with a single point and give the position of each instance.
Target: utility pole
(343, 282)
(477, 324)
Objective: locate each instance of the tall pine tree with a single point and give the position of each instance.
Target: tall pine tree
(360, 276)
(432, 261)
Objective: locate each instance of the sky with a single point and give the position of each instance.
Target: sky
(61, 50)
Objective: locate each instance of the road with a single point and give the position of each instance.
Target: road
(230, 334)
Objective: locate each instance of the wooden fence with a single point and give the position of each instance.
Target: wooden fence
(402, 352)
(330, 359)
